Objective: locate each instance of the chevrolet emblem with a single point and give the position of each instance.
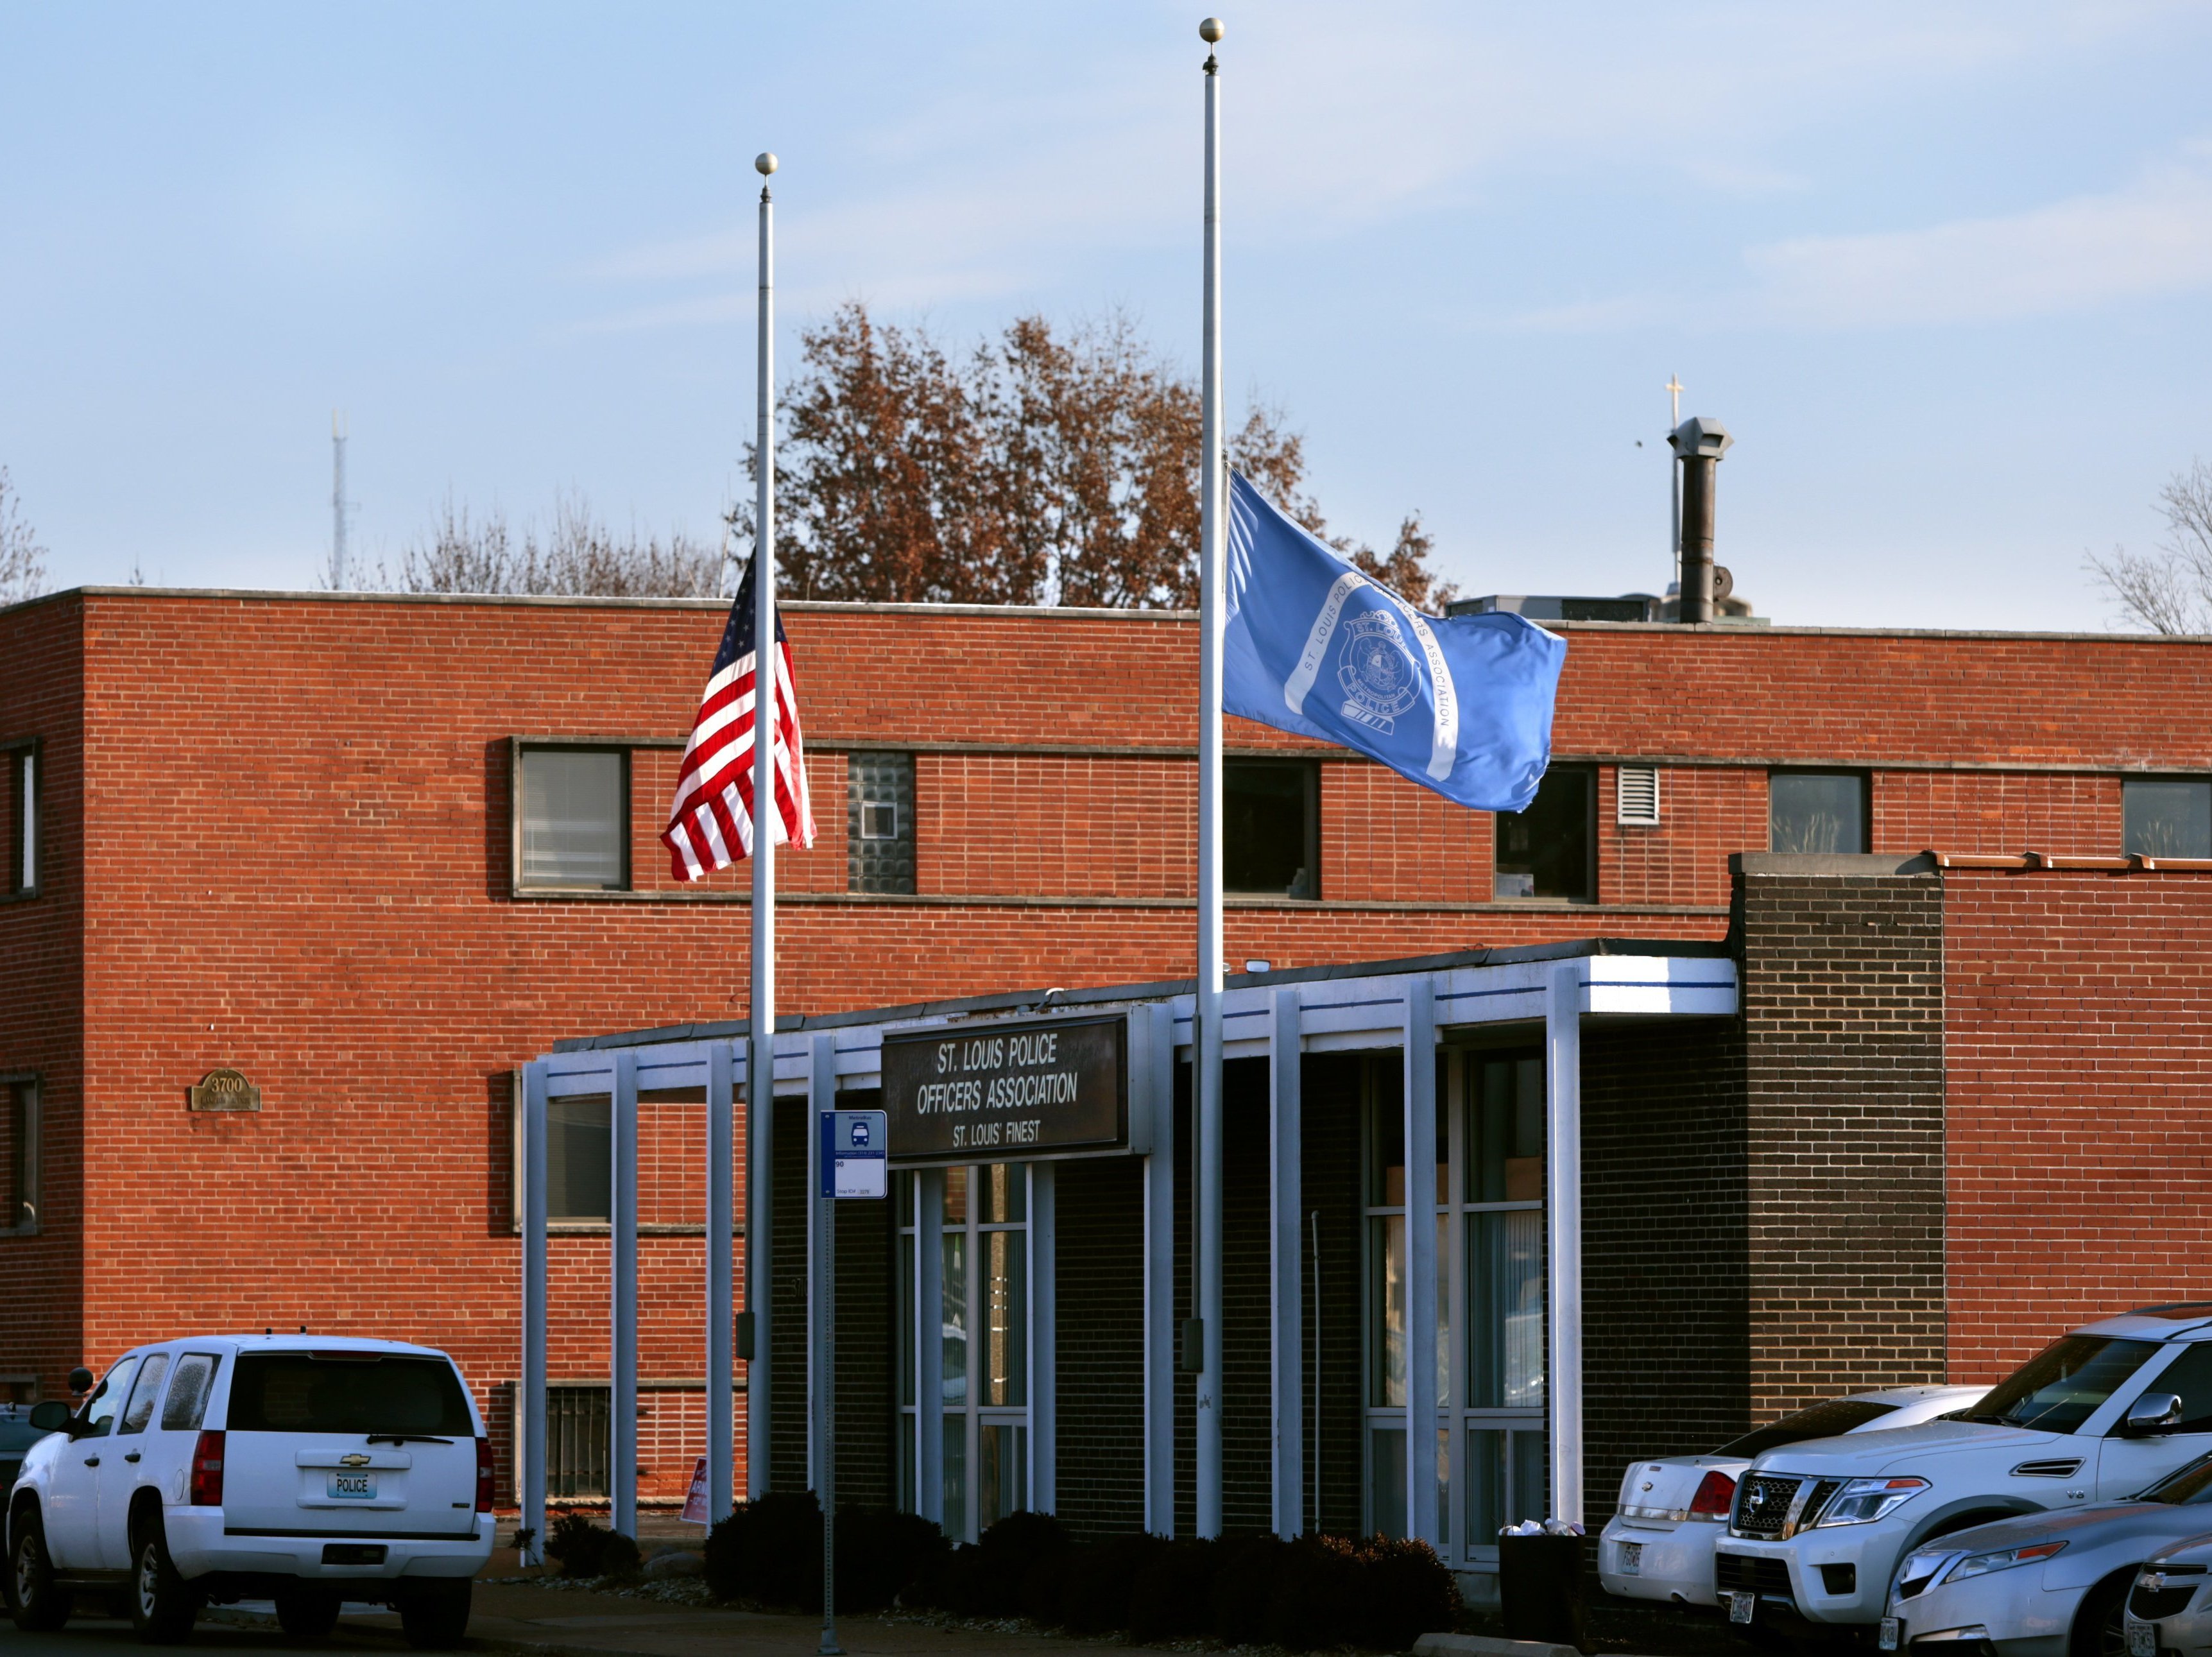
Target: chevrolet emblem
(356, 1460)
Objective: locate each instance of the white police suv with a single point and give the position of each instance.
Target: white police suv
(308, 1469)
(1818, 1527)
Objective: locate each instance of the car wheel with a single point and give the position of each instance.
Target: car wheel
(39, 1606)
(434, 1613)
(163, 1606)
(307, 1613)
(2100, 1624)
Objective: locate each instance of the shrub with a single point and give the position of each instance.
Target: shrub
(585, 1549)
(1410, 1593)
(1172, 1595)
(1014, 1568)
(1244, 1587)
(1096, 1579)
(1321, 1594)
(770, 1549)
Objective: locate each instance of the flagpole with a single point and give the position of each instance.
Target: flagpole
(760, 1073)
(1206, 1244)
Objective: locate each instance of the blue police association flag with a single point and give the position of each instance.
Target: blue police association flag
(1460, 704)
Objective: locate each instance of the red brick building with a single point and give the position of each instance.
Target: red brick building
(374, 853)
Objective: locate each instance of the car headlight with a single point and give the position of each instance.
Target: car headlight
(1862, 1501)
(1981, 1564)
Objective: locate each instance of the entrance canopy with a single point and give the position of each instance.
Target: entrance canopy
(1415, 1007)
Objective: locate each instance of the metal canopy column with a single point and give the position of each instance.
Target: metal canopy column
(1044, 1344)
(929, 1343)
(1159, 1274)
(1286, 1283)
(760, 1197)
(1563, 1217)
(1422, 1517)
(531, 1402)
(622, 1346)
(721, 1308)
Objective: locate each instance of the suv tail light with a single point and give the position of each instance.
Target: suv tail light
(1715, 1496)
(207, 1470)
(484, 1475)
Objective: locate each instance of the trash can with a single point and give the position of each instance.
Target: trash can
(1539, 1586)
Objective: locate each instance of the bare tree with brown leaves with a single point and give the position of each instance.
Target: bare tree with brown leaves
(1037, 469)
(580, 557)
(22, 560)
(2169, 590)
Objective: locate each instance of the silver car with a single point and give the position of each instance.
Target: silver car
(2042, 1585)
(2168, 1610)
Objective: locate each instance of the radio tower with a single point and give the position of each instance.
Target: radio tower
(339, 505)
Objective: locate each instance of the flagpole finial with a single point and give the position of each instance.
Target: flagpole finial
(1210, 30)
(765, 162)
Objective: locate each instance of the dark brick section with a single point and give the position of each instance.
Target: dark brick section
(787, 1414)
(866, 1401)
(1247, 1383)
(1843, 1016)
(1100, 1338)
(1666, 1330)
(1335, 1084)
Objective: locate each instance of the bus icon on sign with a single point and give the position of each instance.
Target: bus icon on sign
(861, 1132)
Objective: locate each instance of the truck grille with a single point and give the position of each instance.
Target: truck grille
(1734, 1572)
(1762, 1505)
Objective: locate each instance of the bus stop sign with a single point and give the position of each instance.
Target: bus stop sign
(852, 1156)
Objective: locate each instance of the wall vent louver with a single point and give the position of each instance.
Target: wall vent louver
(1638, 794)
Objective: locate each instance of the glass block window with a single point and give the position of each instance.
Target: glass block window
(2167, 816)
(879, 823)
(1817, 811)
(575, 818)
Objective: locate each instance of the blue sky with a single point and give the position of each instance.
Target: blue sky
(1944, 271)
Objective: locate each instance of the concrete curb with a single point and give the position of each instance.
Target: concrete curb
(1484, 1645)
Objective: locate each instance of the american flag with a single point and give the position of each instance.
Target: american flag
(711, 824)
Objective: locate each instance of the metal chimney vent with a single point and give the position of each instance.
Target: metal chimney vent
(1638, 794)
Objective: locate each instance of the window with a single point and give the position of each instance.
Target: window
(879, 823)
(580, 1148)
(99, 1410)
(23, 796)
(2166, 817)
(1817, 811)
(579, 1438)
(983, 1324)
(188, 1393)
(351, 1391)
(1271, 826)
(575, 818)
(19, 1154)
(140, 1410)
(1488, 1208)
(1548, 851)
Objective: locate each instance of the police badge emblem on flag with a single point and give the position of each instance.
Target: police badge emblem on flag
(1377, 671)
(1461, 704)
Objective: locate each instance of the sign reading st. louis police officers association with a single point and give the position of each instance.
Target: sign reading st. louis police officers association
(998, 1093)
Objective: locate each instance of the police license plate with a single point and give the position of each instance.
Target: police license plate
(353, 1487)
(1741, 1604)
(1892, 1636)
(2143, 1638)
(1632, 1559)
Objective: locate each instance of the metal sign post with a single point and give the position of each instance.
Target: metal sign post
(854, 1165)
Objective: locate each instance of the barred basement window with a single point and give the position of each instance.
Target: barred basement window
(1637, 795)
(2166, 817)
(879, 823)
(19, 1155)
(578, 1433)
(573, 811)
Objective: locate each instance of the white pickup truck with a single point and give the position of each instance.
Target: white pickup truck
(1819, 1527)
(308, 1469)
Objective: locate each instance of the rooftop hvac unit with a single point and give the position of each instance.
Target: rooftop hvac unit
(1638, 794)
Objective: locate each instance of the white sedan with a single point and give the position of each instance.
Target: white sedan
(1659, 1543)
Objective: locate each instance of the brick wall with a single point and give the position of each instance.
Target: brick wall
(2079, 1068)
(1666, 1331)
(1843, 1018)
(1099, 1338)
